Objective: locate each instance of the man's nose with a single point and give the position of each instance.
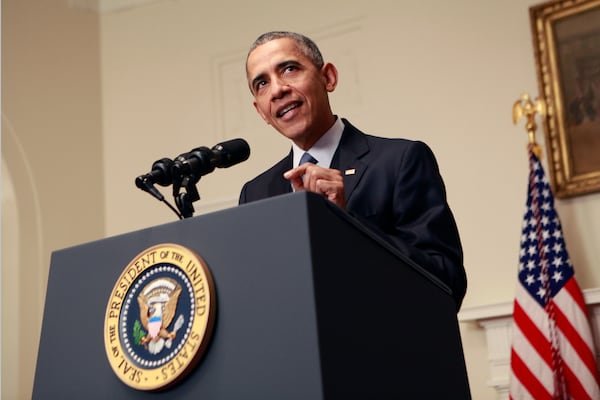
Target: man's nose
(278, 88)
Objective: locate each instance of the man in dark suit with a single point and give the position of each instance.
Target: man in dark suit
(392, 185)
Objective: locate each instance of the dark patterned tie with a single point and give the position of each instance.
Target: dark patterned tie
(306, 157)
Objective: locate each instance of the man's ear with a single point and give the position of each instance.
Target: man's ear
(259, 111)
(330, 76)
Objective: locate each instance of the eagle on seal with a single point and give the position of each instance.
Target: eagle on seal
(158, 305)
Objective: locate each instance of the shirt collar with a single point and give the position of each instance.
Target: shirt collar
(325, 147)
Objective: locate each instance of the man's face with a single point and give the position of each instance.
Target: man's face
(290, 93)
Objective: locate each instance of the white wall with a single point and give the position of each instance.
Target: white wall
(172, 78)
(51, 149)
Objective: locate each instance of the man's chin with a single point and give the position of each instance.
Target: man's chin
(292, 132)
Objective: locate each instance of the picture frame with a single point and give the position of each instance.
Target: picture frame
(566, 40)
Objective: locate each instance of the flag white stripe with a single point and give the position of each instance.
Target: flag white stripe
(532, 359)
(517, 390)
(532, 308)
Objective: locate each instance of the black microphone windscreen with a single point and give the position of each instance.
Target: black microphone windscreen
(231, 152)
(161, 172)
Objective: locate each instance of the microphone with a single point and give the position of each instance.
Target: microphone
(202, 160)
(161, 174)
(187, 168)
(230, 153)
(196, 163)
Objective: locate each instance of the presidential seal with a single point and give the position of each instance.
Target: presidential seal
(159, 317)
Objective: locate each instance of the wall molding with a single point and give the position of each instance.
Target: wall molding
(106, 6)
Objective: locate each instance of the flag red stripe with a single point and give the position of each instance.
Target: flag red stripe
(573, 289)
(574, 386)
(528, 379)
(530, 330)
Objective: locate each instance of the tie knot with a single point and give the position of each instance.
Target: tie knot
(306, 157)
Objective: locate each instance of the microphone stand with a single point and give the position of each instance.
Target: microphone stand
(146, 185)
(185, 199)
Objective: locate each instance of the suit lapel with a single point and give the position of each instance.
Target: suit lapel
(279, 185)
(347, 158)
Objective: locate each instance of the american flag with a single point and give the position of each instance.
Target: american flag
(552, 354)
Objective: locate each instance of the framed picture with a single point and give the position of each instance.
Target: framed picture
(566, 39)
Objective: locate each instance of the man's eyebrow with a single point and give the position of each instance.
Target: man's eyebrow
(286, 63)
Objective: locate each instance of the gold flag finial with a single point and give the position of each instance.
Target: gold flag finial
(525, 107)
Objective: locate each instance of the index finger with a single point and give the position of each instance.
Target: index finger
(297, 172)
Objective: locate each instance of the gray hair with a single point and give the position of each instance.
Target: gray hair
(305, 45)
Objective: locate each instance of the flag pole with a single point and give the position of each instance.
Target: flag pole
(525, 107)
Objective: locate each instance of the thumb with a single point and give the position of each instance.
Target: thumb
(297, 183)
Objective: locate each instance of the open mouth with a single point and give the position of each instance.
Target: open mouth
(287, 109)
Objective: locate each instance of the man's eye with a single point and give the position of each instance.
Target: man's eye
(290, 68)
(260, 84)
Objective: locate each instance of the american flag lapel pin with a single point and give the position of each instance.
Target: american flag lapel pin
(351, 171)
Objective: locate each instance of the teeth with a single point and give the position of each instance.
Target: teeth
(288, 108)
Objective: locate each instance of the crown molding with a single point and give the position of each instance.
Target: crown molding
(504, 309)
(107, 6)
